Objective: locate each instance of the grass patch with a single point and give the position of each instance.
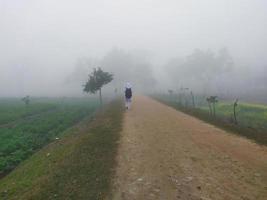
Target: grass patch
(78, 166)
(259, 135)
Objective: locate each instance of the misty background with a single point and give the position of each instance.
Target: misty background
(47, 47)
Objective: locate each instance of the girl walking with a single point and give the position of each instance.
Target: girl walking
(128, 95)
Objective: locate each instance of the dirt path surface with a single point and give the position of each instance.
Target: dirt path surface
(165, 154)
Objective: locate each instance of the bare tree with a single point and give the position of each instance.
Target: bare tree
(212, 100)
(209, 103)
(235, 105)
(26, 100)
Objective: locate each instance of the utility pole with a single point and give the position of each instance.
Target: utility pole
(183, 94)
(193, 99)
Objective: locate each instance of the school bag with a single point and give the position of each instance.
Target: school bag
(128, 93)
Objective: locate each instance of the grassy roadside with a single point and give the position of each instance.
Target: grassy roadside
(257, 136)
(78, 166)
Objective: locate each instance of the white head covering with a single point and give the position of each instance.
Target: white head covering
(128, 85)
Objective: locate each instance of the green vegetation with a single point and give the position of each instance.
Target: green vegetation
(80, 165)
(26, 129)
(97, 79)
(251, 118)
(14, 109)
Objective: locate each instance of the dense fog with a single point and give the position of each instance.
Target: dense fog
(218, 47)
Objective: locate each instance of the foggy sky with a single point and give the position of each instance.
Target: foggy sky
(41, 40)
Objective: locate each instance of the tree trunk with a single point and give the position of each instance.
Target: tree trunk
(235, 115)
(235, 105)
(210, 109)
(100, 97)
(193, 99)
(214, 113)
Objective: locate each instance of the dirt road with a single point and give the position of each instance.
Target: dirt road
(165, 154)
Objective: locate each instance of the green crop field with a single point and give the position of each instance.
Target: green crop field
(248, 114)
(26, 129)
(13, 109)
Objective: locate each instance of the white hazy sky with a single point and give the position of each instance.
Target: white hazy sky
(41, 39)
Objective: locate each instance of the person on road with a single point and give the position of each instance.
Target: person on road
(128, 95)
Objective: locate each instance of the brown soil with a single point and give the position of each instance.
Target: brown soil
(165, 154)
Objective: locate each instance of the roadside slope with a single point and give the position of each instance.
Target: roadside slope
(78, 166)
(165, 154)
